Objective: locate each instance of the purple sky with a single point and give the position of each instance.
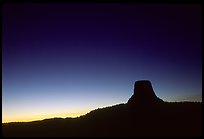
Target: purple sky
(72, 58)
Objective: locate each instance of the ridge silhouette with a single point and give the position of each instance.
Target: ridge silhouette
(144, 115)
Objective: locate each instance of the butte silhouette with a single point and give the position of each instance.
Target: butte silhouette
(144, 94)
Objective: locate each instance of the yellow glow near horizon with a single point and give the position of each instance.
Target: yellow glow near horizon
(41, 117)
(27, 114)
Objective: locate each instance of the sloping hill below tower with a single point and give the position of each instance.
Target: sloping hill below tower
(145, 115)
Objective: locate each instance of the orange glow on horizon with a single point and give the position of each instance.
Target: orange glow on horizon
(42, 116)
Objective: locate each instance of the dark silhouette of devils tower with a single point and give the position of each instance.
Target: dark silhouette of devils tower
(144, 95)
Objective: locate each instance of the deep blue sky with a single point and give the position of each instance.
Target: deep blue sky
(67, 59)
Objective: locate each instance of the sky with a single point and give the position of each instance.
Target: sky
(64, 60)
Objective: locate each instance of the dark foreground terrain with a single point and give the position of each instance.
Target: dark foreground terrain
(145, 115)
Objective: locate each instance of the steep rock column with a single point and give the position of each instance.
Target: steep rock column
(144, 95)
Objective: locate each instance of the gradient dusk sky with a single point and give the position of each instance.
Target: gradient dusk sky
(63, 60)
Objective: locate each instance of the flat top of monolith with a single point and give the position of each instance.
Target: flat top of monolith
(143, 83)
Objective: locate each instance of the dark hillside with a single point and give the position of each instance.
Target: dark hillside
(138, 117)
